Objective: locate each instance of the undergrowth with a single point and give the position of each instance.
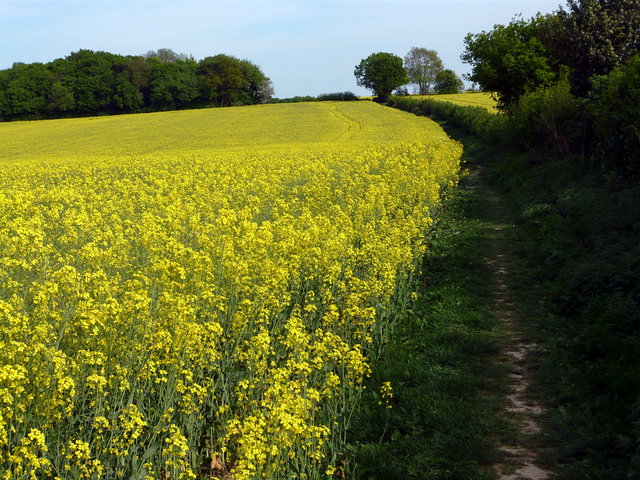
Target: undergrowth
(577, 285)
(577, 241)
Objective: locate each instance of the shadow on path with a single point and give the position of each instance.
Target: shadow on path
(522, 411)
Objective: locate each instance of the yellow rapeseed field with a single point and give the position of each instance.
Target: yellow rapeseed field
(301, 128)
(473, 99)
(195, 294)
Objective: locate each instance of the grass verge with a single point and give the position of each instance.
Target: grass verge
(576, 258)
(576, 251)
(443, 420)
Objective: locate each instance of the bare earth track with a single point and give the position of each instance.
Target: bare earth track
(520, 459)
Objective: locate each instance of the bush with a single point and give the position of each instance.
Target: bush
(549, 117)
(338, 97)
(296, 99)
(474, 120)
(546, 117)
(615, 108)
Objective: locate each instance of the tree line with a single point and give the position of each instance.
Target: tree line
(94, 83)
(384, 72)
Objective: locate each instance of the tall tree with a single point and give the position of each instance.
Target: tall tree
(88, 82)
(381, 72)
(222, 79)
(60, 97)
(173, 85)
(511, 59)
(447, 81)
(5, 109)
(422, 66)
(595, 36)
(27, 88)
(166, 55)
(90, 75)
(138, 70)
(258, 87)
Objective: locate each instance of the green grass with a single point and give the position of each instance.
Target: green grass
(577, 240)
(577, 291)
(448, 390)
(577, 288)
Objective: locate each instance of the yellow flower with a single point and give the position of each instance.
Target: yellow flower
(173, 286)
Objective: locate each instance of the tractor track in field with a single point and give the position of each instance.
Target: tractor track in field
(352, 126)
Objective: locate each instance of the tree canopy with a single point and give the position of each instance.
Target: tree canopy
(91, 83)
(447, 81)
(510, 59)
(381, 72)
(166, 55)
(595, 36)
(422, 66)
(586, 40)
(222, 79)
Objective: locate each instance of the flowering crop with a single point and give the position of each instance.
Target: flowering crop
(470, 99)
(300, 128)
(197, 310)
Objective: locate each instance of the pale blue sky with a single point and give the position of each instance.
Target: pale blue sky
(306, 47)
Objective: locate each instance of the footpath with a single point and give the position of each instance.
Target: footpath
(458, 363)
(522, 411)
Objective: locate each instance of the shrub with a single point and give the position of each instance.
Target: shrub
(615, 107)
(474, 120)
(338, 96)
(296, 99)
(549, 117)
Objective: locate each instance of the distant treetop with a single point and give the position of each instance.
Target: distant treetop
(381, 72)
(167, 55)
(422, 66)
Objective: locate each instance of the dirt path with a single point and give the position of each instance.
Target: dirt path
(522, 411)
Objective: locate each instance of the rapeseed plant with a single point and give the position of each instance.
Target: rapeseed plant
(472, 99)
(161, 311)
